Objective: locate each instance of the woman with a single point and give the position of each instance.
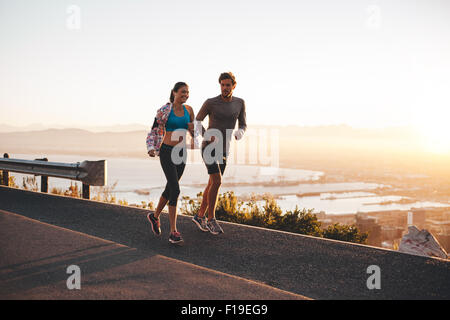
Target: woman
(171, 124)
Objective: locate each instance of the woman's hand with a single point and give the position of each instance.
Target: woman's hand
(152, 153)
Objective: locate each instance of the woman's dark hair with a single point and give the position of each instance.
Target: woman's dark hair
(177, 87)
(227, 75)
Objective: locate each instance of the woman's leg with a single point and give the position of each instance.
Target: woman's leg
(173, 218)
(173, 206)
(161, 204)
(172, 189)
(173, 174)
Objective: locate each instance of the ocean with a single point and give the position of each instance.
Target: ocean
(140, 180)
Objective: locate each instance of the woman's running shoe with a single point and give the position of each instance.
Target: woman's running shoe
(156, 226)
(175, 237)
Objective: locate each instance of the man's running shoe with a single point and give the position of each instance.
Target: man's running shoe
(175, 237)
(200, 222)
(214, 227)
(156, 226)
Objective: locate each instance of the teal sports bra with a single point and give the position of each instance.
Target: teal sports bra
(173, 122)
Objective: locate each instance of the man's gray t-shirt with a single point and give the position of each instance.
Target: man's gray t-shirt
(223, 115)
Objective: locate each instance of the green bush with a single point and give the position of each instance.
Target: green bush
(345, 233)
(270, 215)
(11, 180)
(191, 206)
(302, 221)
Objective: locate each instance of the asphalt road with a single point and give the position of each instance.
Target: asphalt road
(36, 261)
(307, 266)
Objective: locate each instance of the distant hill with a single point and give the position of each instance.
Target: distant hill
(75, 141)
(39, 127)
(31, 127)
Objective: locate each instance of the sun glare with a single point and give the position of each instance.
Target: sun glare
(435, 136)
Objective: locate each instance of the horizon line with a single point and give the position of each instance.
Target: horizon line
(136, 124)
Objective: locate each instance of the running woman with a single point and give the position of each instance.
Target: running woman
(173, 120)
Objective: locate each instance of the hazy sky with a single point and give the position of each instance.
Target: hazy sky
(362, 63)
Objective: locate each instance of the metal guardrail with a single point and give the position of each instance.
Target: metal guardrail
(88, 172)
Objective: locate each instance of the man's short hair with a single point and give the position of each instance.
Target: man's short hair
(227, 75)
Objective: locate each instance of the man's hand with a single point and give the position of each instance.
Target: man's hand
(238, 134)
(198, 128)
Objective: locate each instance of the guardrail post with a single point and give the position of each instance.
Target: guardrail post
(86, 191)
(5, 175)
(44, 179)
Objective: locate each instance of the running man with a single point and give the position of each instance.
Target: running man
(223, 111)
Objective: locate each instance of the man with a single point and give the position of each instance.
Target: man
(223, 111)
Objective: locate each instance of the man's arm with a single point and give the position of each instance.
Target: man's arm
(242, 117)
(201, 115)
(242, 122)
(191, 120)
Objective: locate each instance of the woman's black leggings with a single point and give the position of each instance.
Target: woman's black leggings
(173, 170)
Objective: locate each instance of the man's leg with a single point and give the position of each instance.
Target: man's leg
(204, 204)
(215, 180)
(209, 200)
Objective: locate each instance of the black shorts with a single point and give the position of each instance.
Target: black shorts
(218, 165)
